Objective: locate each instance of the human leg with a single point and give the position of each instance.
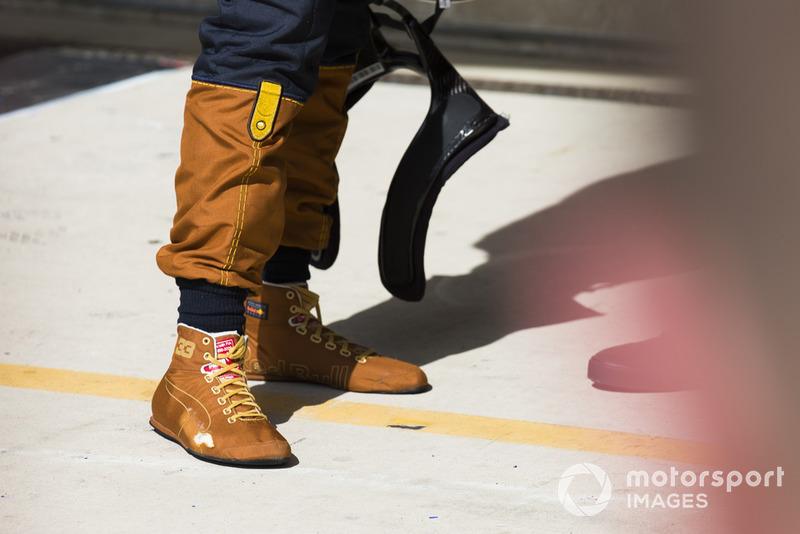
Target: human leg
(287, 338)
(257, 68)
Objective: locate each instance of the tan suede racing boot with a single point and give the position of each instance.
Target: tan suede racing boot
(288, 342)
(205, 405)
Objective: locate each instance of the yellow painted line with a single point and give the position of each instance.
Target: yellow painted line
(374, 415)
(63, 381)
(510, 431)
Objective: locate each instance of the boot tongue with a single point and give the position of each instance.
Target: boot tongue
(224, 345)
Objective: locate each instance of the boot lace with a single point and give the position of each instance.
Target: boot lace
(309, 316)
(233, 383)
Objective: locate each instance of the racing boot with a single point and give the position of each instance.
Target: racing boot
(204, 404)
(288, 341)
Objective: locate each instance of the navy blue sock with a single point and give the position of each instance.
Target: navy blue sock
(287, 265)
(211, 307)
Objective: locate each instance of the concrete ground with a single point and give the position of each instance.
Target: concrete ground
(534, 259)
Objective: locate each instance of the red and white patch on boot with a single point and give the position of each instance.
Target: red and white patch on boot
(224, 346)
(300, 318)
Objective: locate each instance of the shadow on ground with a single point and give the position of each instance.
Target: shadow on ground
(625, 228)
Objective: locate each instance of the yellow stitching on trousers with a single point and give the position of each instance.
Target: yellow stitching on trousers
(237, 233)
(248, 91)
(292, 100)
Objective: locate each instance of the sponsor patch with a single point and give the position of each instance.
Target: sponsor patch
(256, 309)
(225, 344)
(301, 318)
(211, 368)
(297, 320)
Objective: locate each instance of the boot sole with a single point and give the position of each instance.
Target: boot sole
(260, 462)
